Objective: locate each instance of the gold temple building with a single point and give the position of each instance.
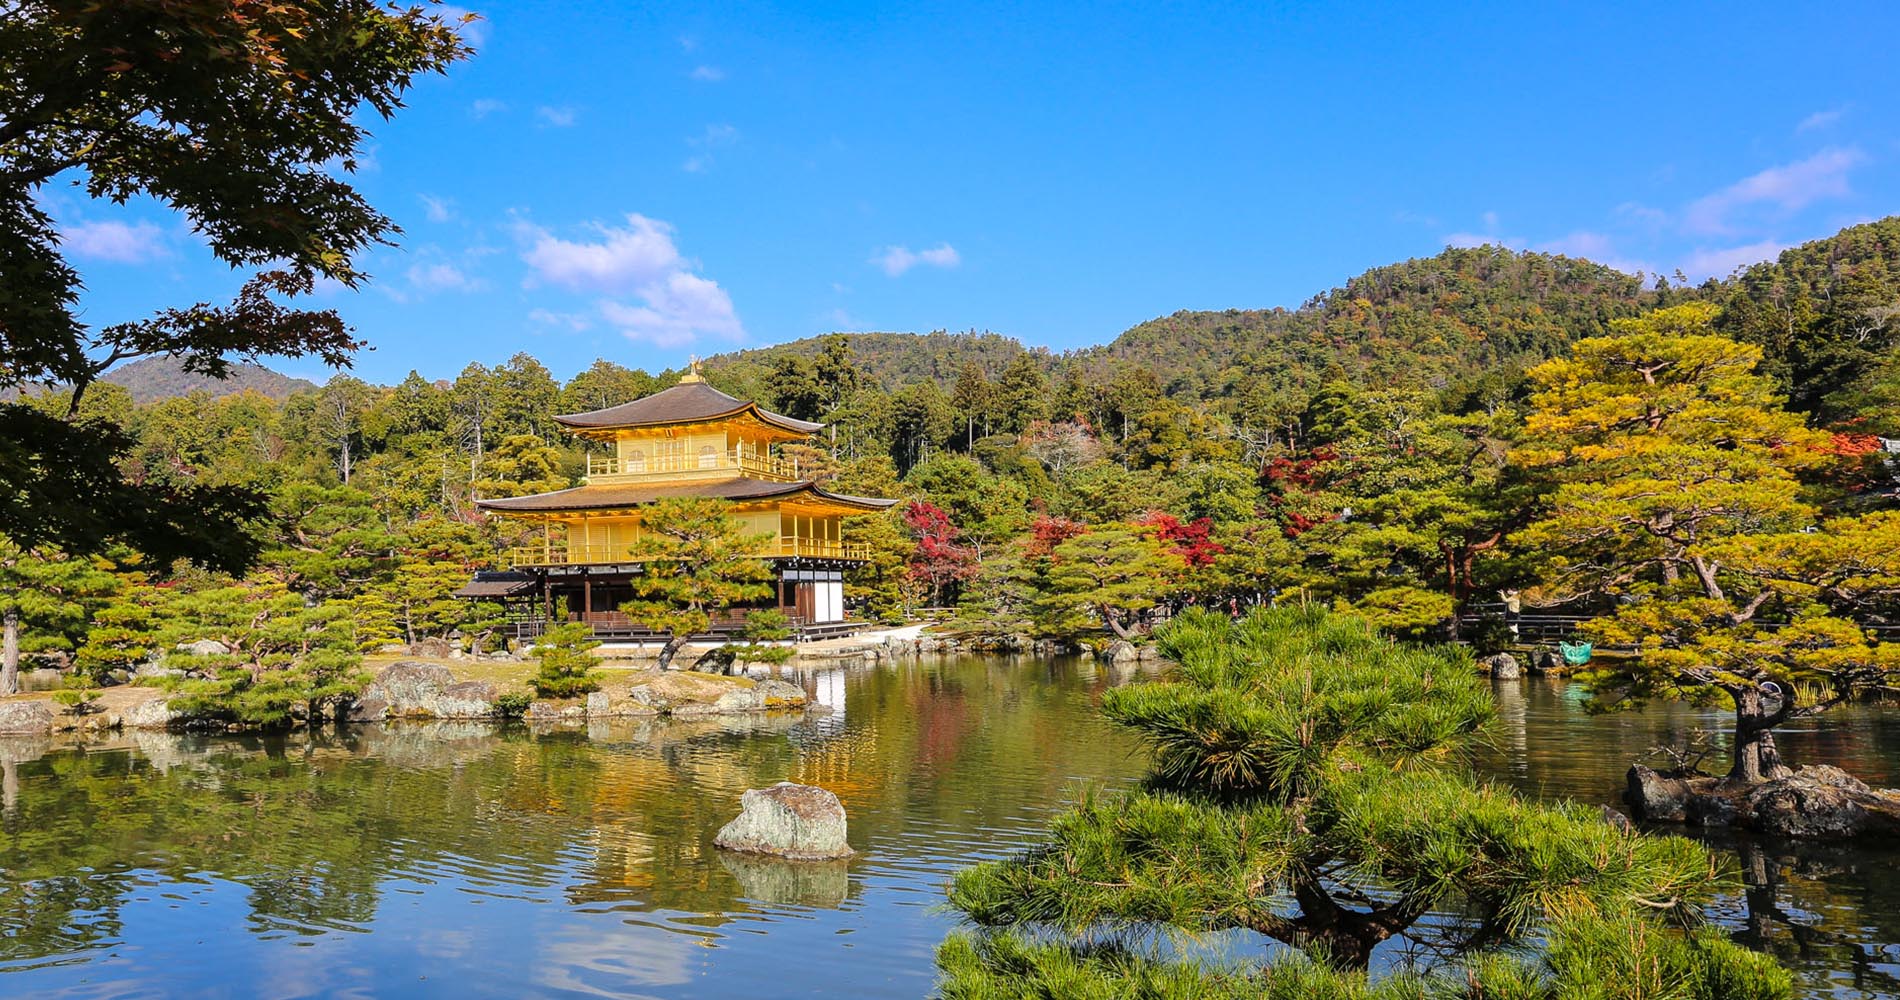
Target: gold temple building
(688, 440)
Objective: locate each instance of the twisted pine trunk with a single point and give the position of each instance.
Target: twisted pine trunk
(1756, 759)
(673, 645)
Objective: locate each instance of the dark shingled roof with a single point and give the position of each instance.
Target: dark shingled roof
(610, 496)
(492, 585)
(684, 403)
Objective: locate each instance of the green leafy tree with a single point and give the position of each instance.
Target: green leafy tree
(521, 464)
(1112, 575)
(1678, 496)
(881, 583)
(123, 633)
(330, 542)
(1305, 786)
(765, 638)
(697, 561)
(286, 659)
(47, 594)
(567, 662)
(121, 97)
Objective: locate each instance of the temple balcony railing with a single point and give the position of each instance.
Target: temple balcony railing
(618, 468)
(559, 553)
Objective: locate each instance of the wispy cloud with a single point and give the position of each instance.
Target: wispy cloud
(1599, 247)
(1820, 120)
(121, 242)
(482, 107)
(1588, 244)
(437, 209)
(441, 276)
(713, 138)
(897, 260)
(707, 74)
(569, 321)
(674, 306)
(1787, 188)
(1721, 262)
(553, 117)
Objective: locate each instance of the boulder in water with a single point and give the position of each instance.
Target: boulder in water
(1501, 665)
(800, 822)
(1824, 802)
(32, 718)
(1819, 802)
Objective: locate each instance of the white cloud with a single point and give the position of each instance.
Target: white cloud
(708, 74)
(675, 312)
(622, 260)
(1820, 119)
(548, 317)
(1788, 188)
(125, 243)
(1721, 262)
(485, 106)
(554, 117)
(441, 276)
(438, 209)
(897, 260)
(639, 260)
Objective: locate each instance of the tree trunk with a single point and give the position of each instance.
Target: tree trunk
(10, 654)
(1114, 623)
(1756, 759)
(671, 649)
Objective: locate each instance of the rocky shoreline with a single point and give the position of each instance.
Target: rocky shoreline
(416, 690)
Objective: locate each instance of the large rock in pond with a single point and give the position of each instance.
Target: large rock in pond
(1502, 666)
(1817, 802)
(800, 822)
(424, 690)
(1823, 802)
(28, 718)
(1121, 651)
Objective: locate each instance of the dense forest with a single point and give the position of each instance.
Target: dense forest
(1369, 449)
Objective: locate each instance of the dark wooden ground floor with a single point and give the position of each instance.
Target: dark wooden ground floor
(809, 591)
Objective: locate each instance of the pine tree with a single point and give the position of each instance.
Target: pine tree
(697, 561)
(1305, 787)
(1678, 496)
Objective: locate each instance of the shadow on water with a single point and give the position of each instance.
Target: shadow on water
(413, 860)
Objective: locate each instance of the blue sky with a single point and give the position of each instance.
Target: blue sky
(646, 182)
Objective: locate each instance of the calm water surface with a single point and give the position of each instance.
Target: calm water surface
(469, 860)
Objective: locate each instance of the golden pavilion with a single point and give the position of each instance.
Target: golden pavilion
(688, 440)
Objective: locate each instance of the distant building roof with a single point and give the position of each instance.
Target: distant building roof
(490, 585)
(608, 496)
(690, 401)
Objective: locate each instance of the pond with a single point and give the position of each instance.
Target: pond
(471, 860)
